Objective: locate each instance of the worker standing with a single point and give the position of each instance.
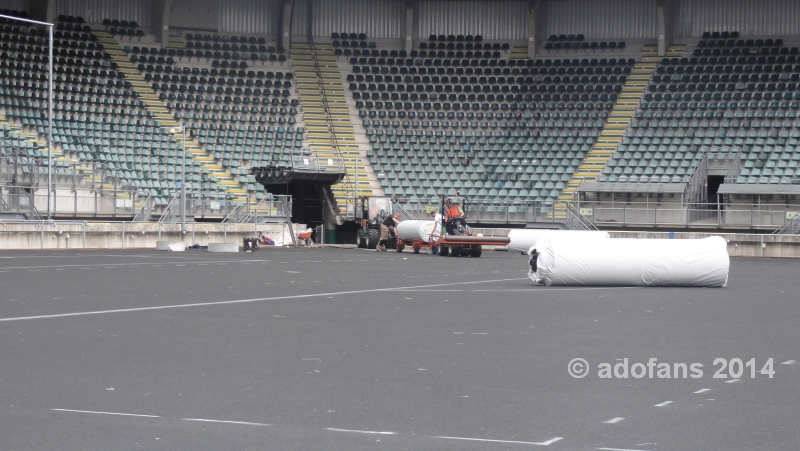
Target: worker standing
(390, 223)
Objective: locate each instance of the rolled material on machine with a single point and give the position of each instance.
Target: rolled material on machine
(415, 230)
(631, 262)
(523, 239)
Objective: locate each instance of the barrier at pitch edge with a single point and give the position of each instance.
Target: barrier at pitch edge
(523, 239)
(175, 246)
(630, 262)
(223, 247)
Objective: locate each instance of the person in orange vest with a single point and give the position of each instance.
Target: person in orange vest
(451, 211)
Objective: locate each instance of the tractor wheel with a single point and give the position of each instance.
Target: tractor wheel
(444, 250)
(373, 236)
(476, 251)
(416, 248)
(455, 251)
(361, 239)
(400, 247)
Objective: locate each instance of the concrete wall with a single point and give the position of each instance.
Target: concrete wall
(98, 235)
(110, 235)
(739, 244)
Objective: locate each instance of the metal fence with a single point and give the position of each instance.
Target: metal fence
(270, 209)
(119, 204)
(712, 215)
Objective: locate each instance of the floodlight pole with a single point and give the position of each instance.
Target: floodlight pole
(49, 105)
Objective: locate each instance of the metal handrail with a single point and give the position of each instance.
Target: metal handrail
(169, 216)
(576, 217)
(232, 212)
(349, 185)
(406, 214)
(790, 227)
(144, 212)
(251, 211)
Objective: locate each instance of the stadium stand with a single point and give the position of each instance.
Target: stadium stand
(328, 117)
(242, 118)
(177, 95)
(450, 112)
(460, 114)
(733, 93)
(575, 43)
(98, 115)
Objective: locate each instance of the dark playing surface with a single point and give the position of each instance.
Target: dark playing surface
(336, 349)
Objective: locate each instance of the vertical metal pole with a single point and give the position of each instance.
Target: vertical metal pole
(183, 183)
(355, 187)
(49, 118)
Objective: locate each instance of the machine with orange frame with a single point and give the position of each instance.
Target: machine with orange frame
(458, 238)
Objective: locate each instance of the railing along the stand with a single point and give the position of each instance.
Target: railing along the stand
(350, 187)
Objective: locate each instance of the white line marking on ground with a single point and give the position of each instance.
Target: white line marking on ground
(732, 381)
(614, 420)
(663, 404)
(788, 362)
(621, 449)
(361, 432)
(703, 390)
(107, 413)
(548, 442)
(245, 301)
(540, 288)
(111, 265)
(246, 423)
(293, 272)
(447, 291)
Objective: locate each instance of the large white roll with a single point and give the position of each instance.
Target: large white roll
(631, 262)
(523, 239)
(412, 230)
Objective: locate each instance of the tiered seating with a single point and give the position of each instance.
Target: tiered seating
(508, 130)
(748, 102)
(97, 117)
(577, 43)
(352, 44)
(123, 28)
(727, 44)
(245, 118)
(15, 13)
(17, 147)
(228, 49)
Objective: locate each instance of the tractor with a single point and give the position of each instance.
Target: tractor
(458, 238)
(374, 210)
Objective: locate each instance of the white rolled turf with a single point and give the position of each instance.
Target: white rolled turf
(631, 262)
